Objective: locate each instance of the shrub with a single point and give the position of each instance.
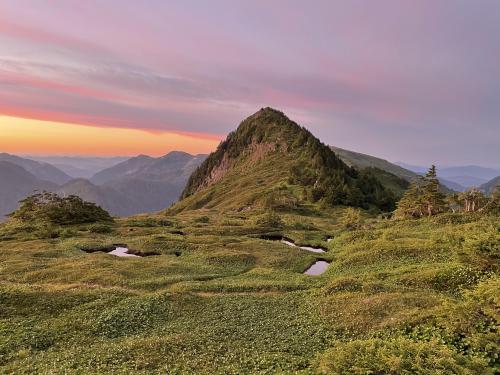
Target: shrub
(347, 284)
(149, 222)
(269, 219)
(67, 233)
(280, 199)
(397, 356)
(100, 228)
(486, 243)
(48, 231)
(352, 219)
(202, 219)
(303, 225)
(51, 208)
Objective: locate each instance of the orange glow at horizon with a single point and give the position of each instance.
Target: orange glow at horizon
(36, 137)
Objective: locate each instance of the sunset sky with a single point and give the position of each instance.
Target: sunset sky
(414, 81)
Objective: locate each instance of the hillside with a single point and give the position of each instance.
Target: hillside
(359, 160)
(271, 161)
(110, 199)
(16, 184)
(42, 171)
(393, 176)
(490, 186)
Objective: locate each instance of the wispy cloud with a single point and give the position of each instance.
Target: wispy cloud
(360, 75)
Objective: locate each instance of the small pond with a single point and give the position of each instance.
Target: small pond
(122, 252)
(317, 268)
(308, 248)
(289, 242)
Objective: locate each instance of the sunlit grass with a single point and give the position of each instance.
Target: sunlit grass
(218, 299)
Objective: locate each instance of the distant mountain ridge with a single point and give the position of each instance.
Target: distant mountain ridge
(459, 178)
(80, 166)
(152, 183)
(125, 168)
(148, 184)
(490, 186)
(137, 185)
(40, 170)
(17, 183)
(106, 197)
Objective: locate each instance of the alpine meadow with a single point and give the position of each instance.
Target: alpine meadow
(249, 243)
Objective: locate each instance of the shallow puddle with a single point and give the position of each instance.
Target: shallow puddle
(308, 248)
(122, 252)
(317, 268)
(119, 251)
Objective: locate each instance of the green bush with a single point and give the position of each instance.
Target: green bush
(100, 228)
(486, 243)
(397, 356)
(50, 208)
(269, 219)
(67, 233)
(352, 219)
(202, 219)
(347, 284)
(303, 225)
(148, 222)
(48, 231)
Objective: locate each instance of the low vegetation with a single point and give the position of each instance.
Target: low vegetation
(50, 208)
(405, 296)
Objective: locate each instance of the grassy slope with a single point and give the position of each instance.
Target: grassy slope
(360, 160)
(238, 188)
(391, 170)
(233, 303)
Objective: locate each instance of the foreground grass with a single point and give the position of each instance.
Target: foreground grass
(409, 296)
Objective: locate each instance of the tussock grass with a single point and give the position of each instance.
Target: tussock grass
(219, 299)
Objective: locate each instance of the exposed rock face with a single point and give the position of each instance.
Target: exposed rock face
(216, 174)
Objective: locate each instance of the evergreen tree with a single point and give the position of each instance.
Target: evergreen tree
(433, 200)
(411, 204)
(423, 197)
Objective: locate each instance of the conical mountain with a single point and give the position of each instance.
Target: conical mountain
(272, 162)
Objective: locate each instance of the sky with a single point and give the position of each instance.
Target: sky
(406, 80)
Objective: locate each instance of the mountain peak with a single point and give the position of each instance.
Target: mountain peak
(176, 155)
(270, 157)
(268, 111)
